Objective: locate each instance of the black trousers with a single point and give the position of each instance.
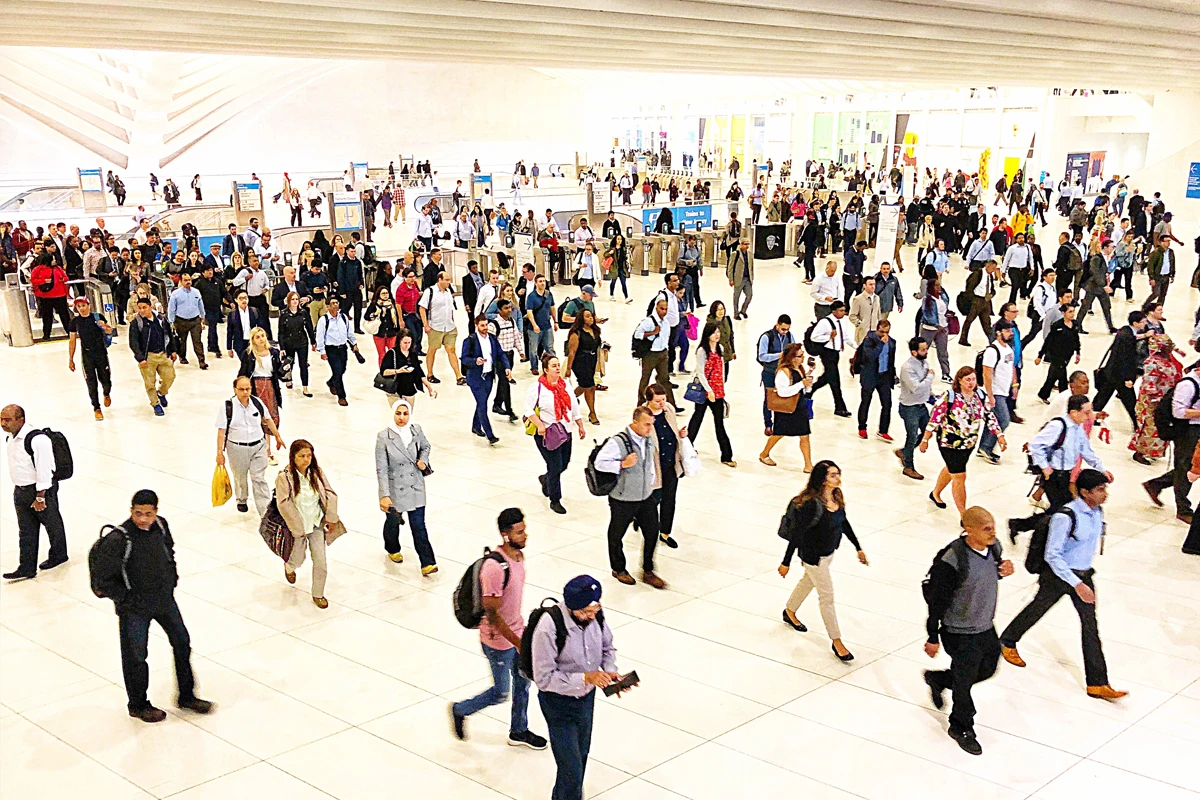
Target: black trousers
(1035, 327)
(1051, 589)
(135, 638)
(665, 497)
(502, 403)
(48, 307)
(29, 527)
(1177, 476)
(694, 272)
(1056, 378)
(1058, 493)
(299, 357)
(1019, 278)
(810, 265)
(718, 415)
(98, 375)
(623, 512)
(1123, 277)
(1106, 386)
(337, 355)
(883, 387)
(973, 659)
(262, 303)
(830, 377)
(213, 318)
(352, 298)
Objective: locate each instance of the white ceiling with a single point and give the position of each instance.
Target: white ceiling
(1071, 43)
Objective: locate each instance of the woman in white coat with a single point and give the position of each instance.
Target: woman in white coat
(401, 464)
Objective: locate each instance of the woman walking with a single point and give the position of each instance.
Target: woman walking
(1162, 372)
(958, 419)
(309, 507)
(815, 522)
(710, 373)
(583, 354)
(549, 403)
(384, 317)
(667, 436)
(265, 367)
(934, 324)
(401, 464)
(403, 372)
(619, 268)
(791, 380)
(718, 316)
(296, 335)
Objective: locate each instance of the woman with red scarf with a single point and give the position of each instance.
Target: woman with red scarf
(550, 407)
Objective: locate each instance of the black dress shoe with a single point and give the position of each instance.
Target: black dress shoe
(848, 657)
(197, 705)
(967, 741)
(935, 691)
(18, 575)
(842, 414)
(242, 507)
(51, 563)
(557, 507)
(148, 714)
(800, 626)
(669, 541)
(493, 440)
(542, 481)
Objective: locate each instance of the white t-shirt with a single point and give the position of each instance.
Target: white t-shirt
(999, 357)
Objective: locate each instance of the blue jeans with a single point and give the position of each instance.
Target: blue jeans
(504, 673)
(413, 323)
(915, 419)
(1004, 406)
(768, 382)
(570, 722)
(416, 520)
(540, 343)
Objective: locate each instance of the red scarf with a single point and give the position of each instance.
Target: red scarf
(562, 399)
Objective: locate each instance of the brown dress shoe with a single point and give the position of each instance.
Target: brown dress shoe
(291, 576)
(1011, 655)
(149, 714)
(1153, 492)
(321, 602)
(624, 577)
(912, 473)
(1105, 692)
(650, 579)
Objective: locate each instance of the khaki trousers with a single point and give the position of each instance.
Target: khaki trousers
(314, 542)
(157, 375)
(818, 577)
(316, 310)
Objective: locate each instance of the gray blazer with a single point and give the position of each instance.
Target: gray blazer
(396, 468)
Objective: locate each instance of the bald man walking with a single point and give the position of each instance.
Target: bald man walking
(35, 494)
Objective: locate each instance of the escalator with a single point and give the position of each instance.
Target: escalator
(44, 198)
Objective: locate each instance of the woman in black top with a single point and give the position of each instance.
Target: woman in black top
(404, 365)
(583, 354)
(620, 267)
(383, 309)
(296, 335)
(815, 522)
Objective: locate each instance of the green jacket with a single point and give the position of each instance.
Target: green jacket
(1154, 264)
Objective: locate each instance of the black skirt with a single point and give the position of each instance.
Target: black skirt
(795, 423)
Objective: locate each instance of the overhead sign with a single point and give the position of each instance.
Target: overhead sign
(523, 247)
(1193, 184)
(681, 215)
(479, 183)
(889, 229)
(249, 196)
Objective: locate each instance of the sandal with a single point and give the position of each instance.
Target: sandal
(729, 463)
(770, 462)
(592, 418)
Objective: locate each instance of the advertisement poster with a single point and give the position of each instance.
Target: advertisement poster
(479, 183)
(347, 211)
(691, 216)
(91, 180)
(249, 196)
(1193, 184)
(601, 197)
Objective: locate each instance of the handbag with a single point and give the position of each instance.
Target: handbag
(372, 325)
(275, 533)
(530, 425)
(556, 436)
(952, 325)
(781, 405)
(689, 457)
(695, 392)
(808, 407)
(386, 383)
(727, 409)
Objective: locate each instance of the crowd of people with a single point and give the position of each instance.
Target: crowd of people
(339, 292)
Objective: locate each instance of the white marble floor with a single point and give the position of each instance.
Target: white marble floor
(350, 702)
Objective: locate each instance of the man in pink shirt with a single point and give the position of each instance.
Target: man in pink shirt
(502, 579)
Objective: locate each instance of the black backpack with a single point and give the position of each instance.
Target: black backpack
(525, 656)
(661, 293)
(979, 362)
(641, 346)
(1033, 468)
(810, 346)
(64, 462)
(772, 335)
(467, 599)
(600, 483)
(1170, 428)
(787, 524)
(960, 542)
(562, 311)
(1035, 557)
(100, 566)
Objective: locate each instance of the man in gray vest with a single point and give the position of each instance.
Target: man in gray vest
(632, 455)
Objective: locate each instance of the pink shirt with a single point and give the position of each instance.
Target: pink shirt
(491, 580)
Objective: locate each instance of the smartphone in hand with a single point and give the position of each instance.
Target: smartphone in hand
(627, 682)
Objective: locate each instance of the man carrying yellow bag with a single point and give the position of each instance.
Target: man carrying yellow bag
(221, 488)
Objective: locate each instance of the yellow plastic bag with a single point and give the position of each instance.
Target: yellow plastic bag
(221, 488)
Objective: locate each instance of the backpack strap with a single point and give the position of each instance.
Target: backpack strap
(560, 627)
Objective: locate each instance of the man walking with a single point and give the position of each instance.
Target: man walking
(186, 313)
(832, 335)
(242, 427)
(484, 363)
(1095, 286)
(771, 345)
(916, 387)
(92, 334)
(1120, 367)
(212, 291)
(335, 339)
(1044, 298)
(999, 384)
(962, 590)
(876, 360)
(502, 583)
(981, 288)
(31, 468)
(740, 272)
(135, 568)
(153, 345)
(632, 455)
(437, 306)
(656, 330)
(1186, 408)
(568, 676)
(1160, 268)
(1076, 533)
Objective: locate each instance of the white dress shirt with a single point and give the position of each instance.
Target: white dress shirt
(834, 333)
(25, 471)
(485, 347)
(245, 427)
(827, 286)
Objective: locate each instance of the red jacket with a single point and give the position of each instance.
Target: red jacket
(43, 274)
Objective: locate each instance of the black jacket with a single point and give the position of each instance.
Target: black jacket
(1121, 362)
(150, 568)
(867, 358)
(470, 293)
(1096, 276)
(296, 330)
(943, 583)
(139, 336)
(212, 292)
(278, 370)
(810, 530)
(237, 339)
(1061, 343)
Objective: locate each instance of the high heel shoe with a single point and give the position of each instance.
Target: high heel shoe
(848, 657)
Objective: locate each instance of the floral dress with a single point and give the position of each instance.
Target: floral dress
(1161, 373)
(957, 419)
